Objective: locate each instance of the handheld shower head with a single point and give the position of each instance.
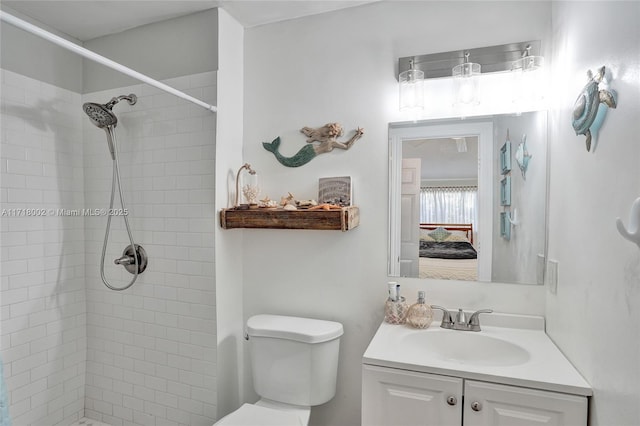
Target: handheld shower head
(100, 115)
(103, 117)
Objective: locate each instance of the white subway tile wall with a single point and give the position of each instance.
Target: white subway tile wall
(43, 296)
(89, 422)
(151, 356)
(71, 347)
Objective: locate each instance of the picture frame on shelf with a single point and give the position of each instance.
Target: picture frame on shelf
(335, 190)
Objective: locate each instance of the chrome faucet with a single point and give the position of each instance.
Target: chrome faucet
(460, 322)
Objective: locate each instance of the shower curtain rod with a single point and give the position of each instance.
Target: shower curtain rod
(86, 53)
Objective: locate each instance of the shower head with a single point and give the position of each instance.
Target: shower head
(100, 115)
(103, 117)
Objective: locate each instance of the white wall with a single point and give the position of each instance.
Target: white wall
(228, 244)
(42, 274)
(342, 67)
(595, 315)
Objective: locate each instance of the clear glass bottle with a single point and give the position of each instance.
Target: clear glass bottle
(420, 315)
(395, 308)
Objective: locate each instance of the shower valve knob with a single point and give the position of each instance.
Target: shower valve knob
(125, 260)
(129, 262)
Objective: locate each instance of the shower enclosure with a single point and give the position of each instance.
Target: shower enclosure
(71, 347)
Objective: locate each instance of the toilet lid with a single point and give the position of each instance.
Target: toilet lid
(254, 415)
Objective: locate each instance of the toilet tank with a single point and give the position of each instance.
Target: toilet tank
(294, 360)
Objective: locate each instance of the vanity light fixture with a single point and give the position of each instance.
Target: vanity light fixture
(466, 82)
(464, 75)
(411, 90)
(528, 77)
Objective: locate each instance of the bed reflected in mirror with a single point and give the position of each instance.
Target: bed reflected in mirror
(446, 252)
(446, 200)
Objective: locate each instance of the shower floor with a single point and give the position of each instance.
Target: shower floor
(89, 422)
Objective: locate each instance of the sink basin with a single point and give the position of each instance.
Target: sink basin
(513, 350)
(467, 347)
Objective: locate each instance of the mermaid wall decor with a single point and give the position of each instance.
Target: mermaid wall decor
(326, 138)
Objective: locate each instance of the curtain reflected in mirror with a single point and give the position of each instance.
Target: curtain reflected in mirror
(449, 204)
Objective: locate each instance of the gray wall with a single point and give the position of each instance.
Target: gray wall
(39, 59)
(162, 50)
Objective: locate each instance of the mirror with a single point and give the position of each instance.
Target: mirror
(460, 205)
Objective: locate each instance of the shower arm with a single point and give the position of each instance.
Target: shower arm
(131, 100)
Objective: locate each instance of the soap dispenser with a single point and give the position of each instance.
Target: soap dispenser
(420, 315)
(395, 308)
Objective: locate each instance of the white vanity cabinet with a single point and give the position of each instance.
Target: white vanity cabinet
(508, 374)
(393, 397)
(396, 397)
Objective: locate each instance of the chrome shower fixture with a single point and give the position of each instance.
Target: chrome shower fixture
(103, 117)
(100, 115)
(134, 258)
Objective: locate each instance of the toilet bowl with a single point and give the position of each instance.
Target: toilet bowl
(294, 363)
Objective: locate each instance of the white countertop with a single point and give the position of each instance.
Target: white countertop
(546, 367)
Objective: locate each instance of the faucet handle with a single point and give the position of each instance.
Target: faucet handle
(474, 321)
(446, 316)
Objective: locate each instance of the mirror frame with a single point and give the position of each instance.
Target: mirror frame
(433, 129)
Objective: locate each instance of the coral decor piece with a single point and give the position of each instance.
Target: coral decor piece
(326, 206)
(321, 140)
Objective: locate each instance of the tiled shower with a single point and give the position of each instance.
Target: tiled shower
(71, 347)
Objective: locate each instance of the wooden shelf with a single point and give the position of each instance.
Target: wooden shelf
(339, 220)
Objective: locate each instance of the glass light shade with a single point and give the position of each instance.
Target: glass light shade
(528, 83)
(466, 82)
(411, 91)
(529, 63)
(250, 188)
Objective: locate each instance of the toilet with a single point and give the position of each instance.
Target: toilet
(295, 366)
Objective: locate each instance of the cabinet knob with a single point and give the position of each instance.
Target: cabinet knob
(476, 406)
(452, 400)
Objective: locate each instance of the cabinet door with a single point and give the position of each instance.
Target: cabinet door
(392, 397)
(488, 404)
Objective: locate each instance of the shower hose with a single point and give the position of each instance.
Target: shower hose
(115, 180)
